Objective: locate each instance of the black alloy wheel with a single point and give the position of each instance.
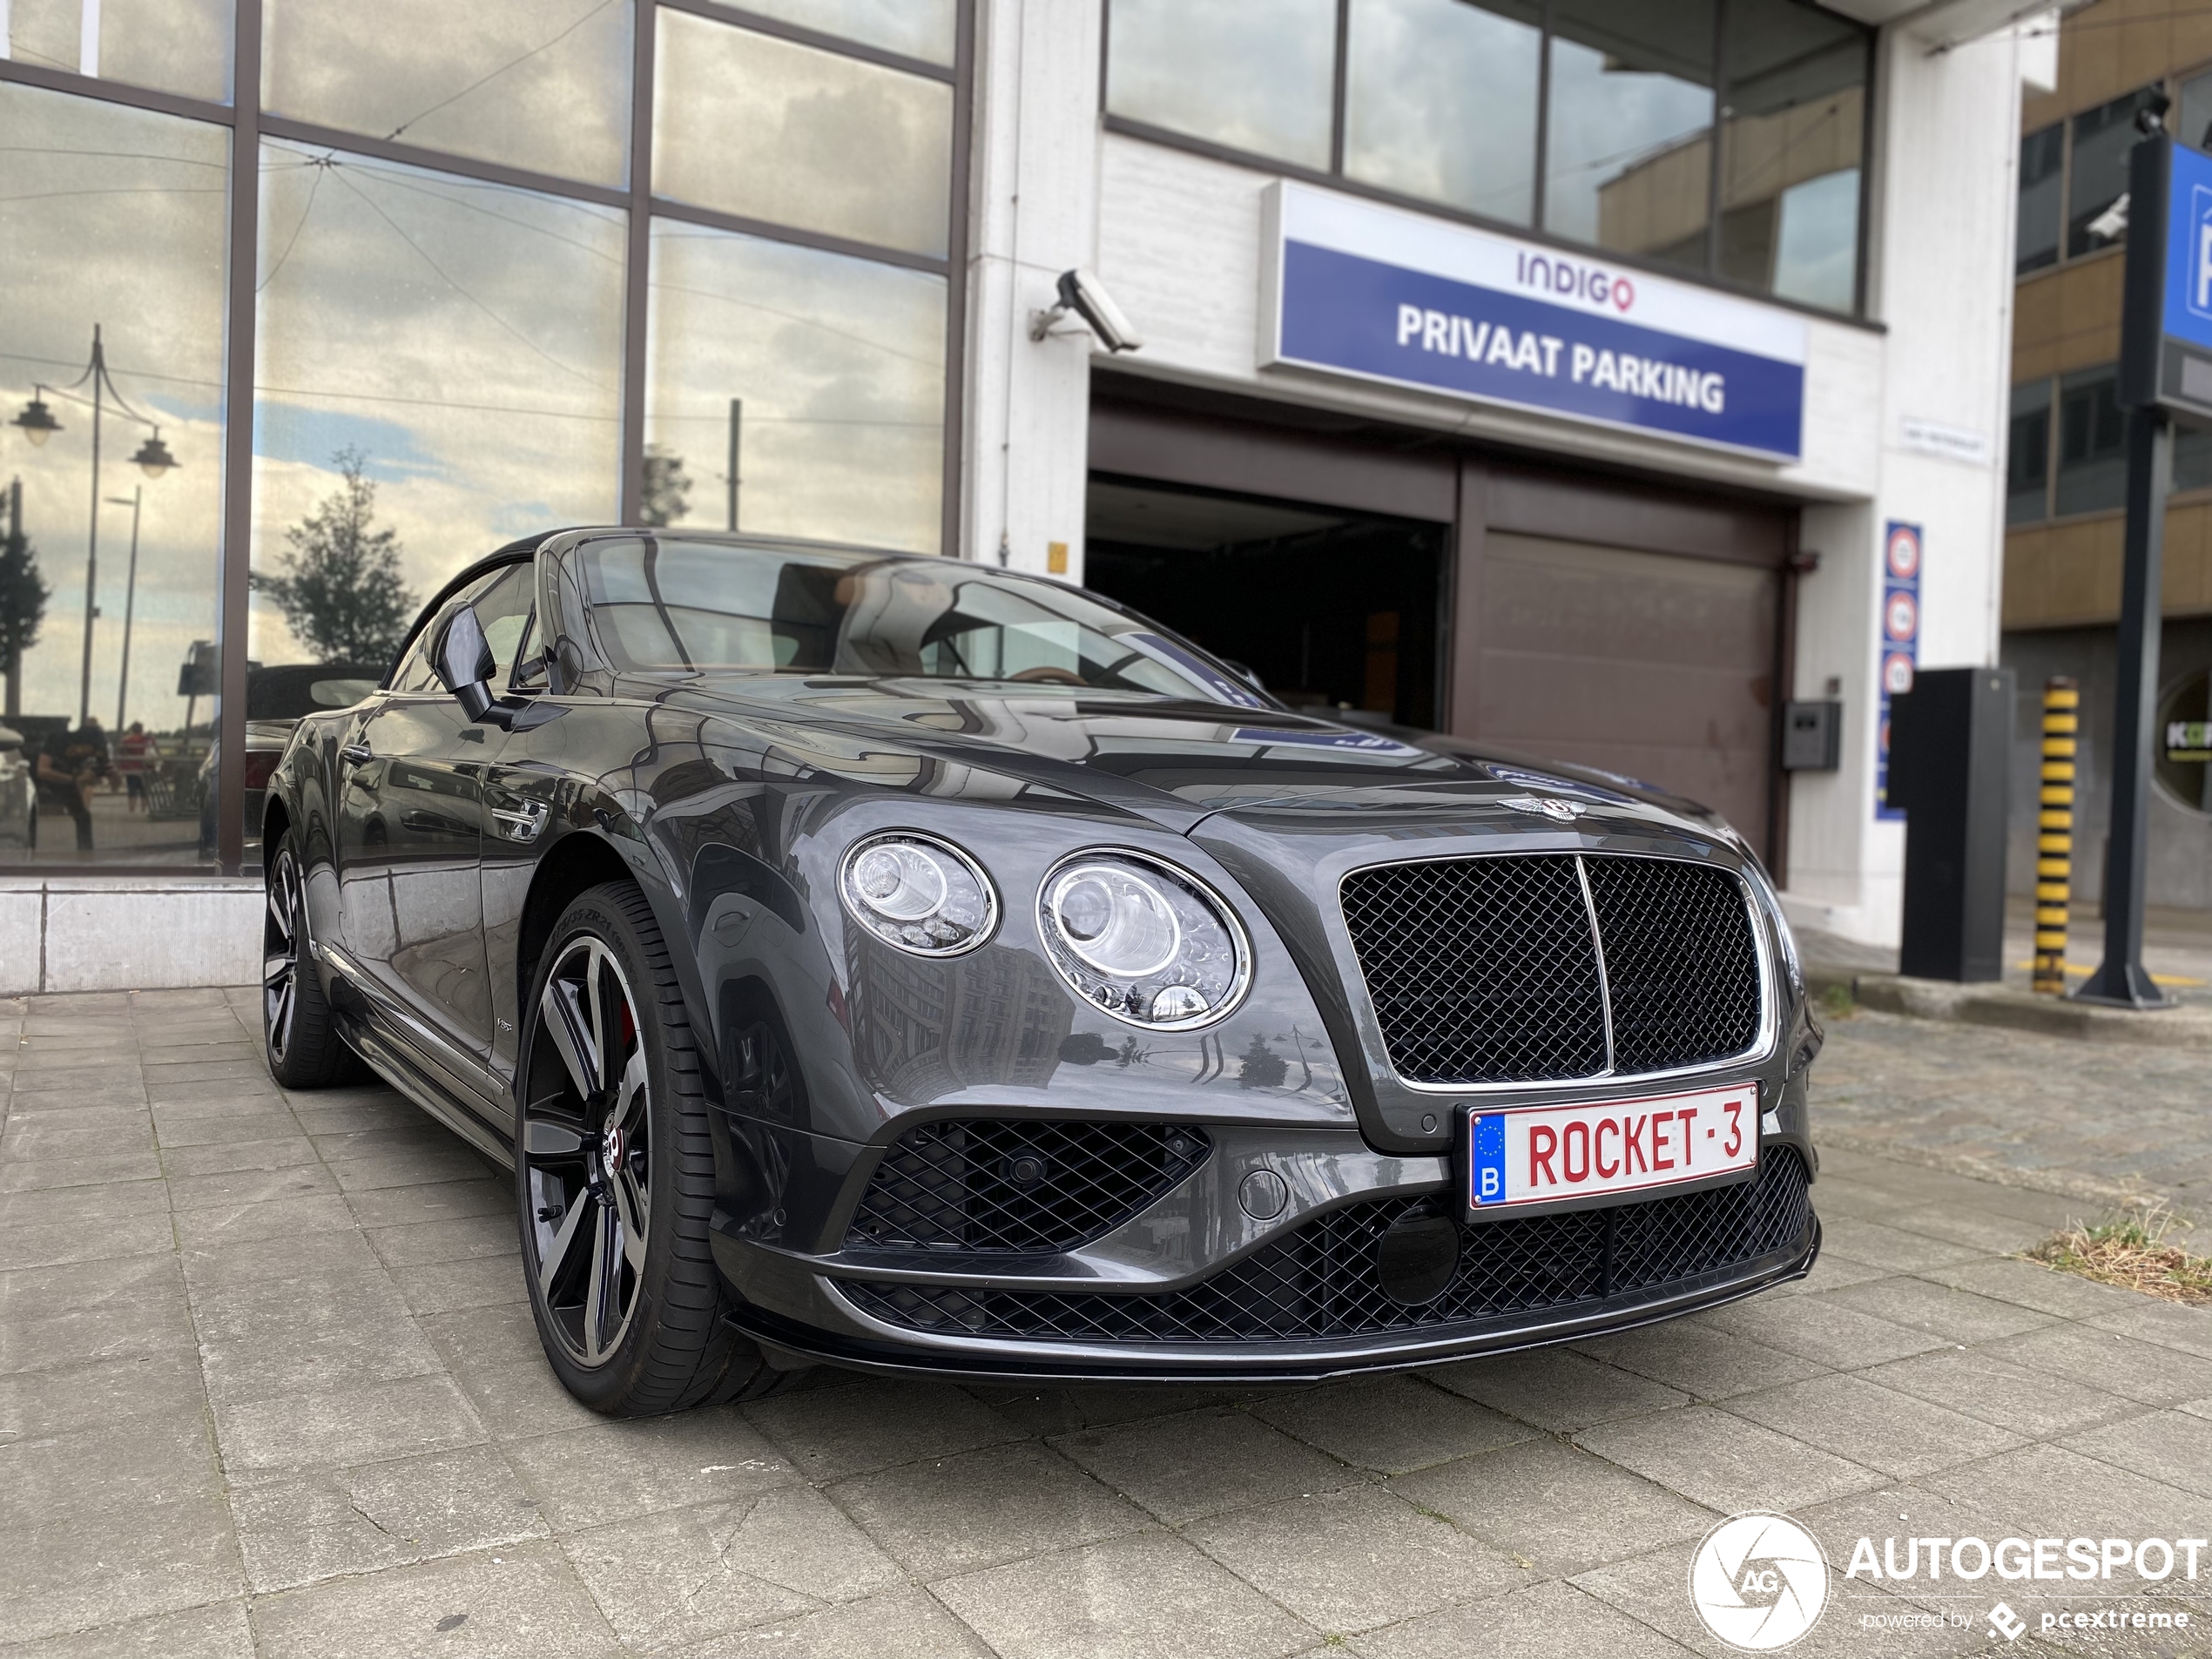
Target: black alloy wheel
(588, 1172)
(304, 1049)
(614, 1174)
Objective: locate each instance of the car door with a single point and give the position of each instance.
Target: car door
(409, 843)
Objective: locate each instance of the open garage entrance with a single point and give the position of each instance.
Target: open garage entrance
(1335, 610)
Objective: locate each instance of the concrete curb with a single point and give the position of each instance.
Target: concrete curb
(2187, 1027)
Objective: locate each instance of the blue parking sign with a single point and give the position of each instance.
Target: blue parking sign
(2188, 248)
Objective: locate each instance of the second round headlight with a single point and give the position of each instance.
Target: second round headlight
(1142, 940)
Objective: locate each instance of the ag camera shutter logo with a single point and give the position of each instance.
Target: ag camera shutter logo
(1759, 1582)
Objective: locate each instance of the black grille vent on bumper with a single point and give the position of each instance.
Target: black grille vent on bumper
(1321, 1283)
(1019, 1185)
(1487, 970)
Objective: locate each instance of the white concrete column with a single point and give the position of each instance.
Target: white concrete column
(1034, 215)
(1940, 277)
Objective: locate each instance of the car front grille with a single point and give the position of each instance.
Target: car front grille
(1018, 1185)
(1322, 1281)
(1544, 966)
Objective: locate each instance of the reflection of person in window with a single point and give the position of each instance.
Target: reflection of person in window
(69, 765)
(136, 746)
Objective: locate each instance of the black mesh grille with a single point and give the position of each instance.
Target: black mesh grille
(1483, 970)
(1321, 1282)
(1480, 970)
(1679, 962)
(1016, 1185)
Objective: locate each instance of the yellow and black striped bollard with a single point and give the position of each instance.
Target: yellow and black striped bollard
(2054, 831)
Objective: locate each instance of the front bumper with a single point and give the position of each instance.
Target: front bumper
(1296, 1301)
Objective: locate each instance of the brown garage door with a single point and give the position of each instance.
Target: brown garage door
(1647, 664)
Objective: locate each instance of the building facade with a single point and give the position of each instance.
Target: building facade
(1591, 377)
(2067, 467)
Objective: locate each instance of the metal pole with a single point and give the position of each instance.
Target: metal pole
(14, 695)
(130, 604)
(2122, 980)
(91, 538)
(2054, 831)
(737, 414)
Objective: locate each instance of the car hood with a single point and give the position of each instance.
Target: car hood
(1178, 763)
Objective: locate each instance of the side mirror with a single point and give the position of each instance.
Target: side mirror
(464, 663)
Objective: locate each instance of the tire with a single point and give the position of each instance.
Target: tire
(611, 1145)
(303, 1047)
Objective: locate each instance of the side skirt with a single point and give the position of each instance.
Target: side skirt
(385, 1059)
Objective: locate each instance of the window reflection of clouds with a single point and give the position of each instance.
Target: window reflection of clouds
(1440, 102)
(920, 28)
(753, 125)
(537, 83)
(466, 336)
(116, 216)
(175, 45)
(839, 363)
(1626, 120)
(1254, 74)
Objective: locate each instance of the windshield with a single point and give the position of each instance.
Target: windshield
(663, 605)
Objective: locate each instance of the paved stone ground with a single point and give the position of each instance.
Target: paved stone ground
(267, 1385)
(2098, 1121)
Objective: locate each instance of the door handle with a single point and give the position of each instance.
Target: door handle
(522, 819)
(357, 754)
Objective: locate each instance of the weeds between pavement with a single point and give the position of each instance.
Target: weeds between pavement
(2131, 1251)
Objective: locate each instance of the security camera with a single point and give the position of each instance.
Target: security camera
(1083, 293)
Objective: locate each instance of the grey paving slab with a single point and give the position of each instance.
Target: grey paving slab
(53, 1243)
(177, 1130)
(228, 1189)
(1061, 1411)
(326, 1522)
(90, 1169)
(273, 1151)
(2167, 1325)
(1553, 1620)
(2171, 1447)
(72, 1572)
(219, 1630)
(831, 1432)
(942, 1516)
(1725, 1461)
(2031, 1284)
(1356, 1558)
(2112, 1362)
(523, 1599)
(1897, 1434)
(681, 1576)
(1700, 1359)
(1948, 1312)
(1391, 1424)
(1133, 1597)
(1824, 1329)
(1556, 1389)
(436, 1201)
(1977, 1382)
(418, 1243)
(904, 1621)
(1898, 1249)
(213, 1267)
(1204, 1462)
(2048, 1491)
(605, 1472)
(155, 1458)
(476, 1282)
(35, 1404)
(342, 1425)
(1555, 1506)
(84, 1205)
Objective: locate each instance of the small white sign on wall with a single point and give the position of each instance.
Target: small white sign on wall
(1958, 443)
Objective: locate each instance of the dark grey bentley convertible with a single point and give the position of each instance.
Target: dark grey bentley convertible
(895, 962)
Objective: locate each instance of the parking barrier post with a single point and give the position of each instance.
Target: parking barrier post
(2054, 831)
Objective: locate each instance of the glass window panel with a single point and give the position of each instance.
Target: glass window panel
(920, 28)
(439, 373)
(1791, 137)
(2042, 170)
(2193, 125)
(747, 123)
(2093, 443)
(2102, 138)
(826, 373)
(2027, 455)
(1256, 75)
(2192, 457)
(537, 83)
(175, 45)
(1441, 103)
(115, 220)
(1629, 160)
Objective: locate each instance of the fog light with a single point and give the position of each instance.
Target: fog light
(1417, 1257)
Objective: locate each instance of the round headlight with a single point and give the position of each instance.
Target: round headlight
(1142, 940)
(924, 896)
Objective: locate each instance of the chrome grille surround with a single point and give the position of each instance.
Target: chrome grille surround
(1550, 970)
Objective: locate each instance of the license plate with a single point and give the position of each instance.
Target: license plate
(1543, 1154)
